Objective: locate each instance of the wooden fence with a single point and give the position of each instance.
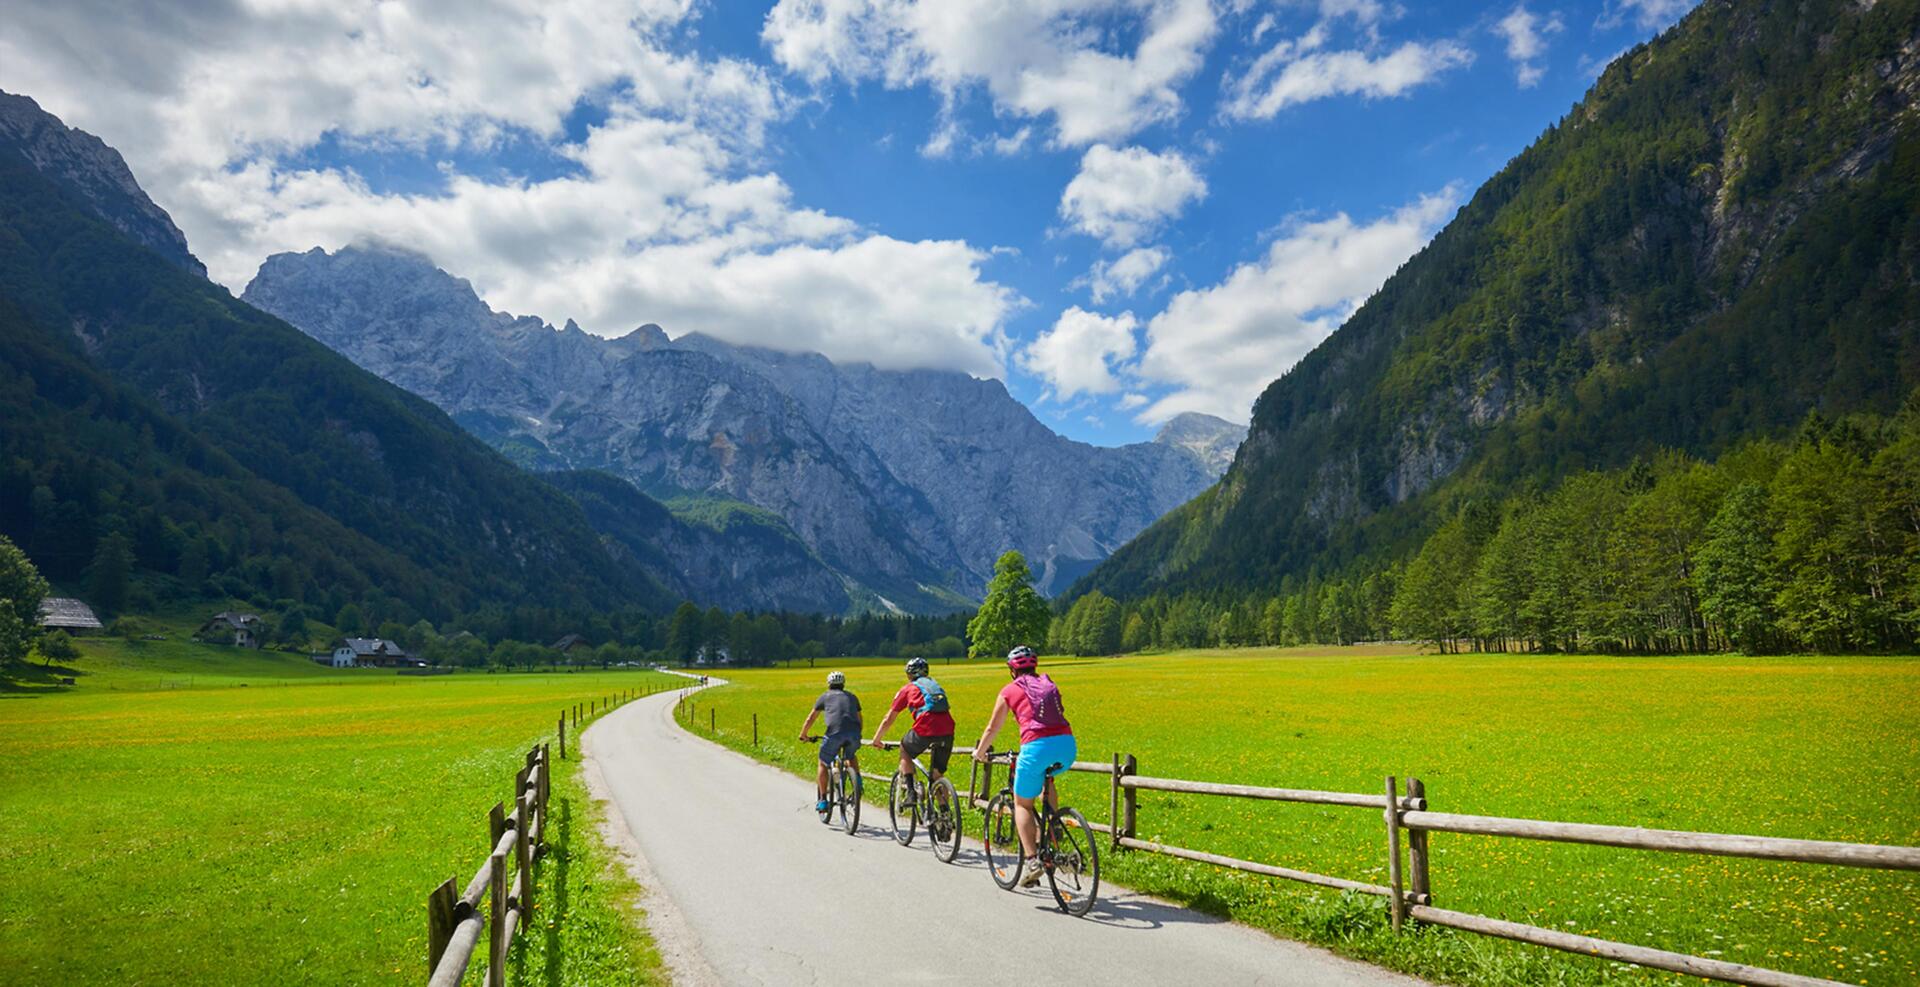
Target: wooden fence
(504, 884)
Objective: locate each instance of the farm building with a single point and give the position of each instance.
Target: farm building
(64, 613)
(241, 629)
(359, 652)
(567, 644)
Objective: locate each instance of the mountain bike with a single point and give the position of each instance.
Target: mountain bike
(1065, 848)
(844, 786)
(935, 802)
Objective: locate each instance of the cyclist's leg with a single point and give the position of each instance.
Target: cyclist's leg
(1026, 823)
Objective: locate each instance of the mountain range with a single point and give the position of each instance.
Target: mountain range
(1723, 235)
(907, 484)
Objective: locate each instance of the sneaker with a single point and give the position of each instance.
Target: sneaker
(820, 806)
(1031, 879)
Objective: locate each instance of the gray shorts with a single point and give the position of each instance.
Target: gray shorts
(942, 747)
(837, 742)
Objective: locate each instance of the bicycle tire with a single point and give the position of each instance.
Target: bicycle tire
(1073, 873)
(850, 789)
(943, 820)
(833, 796)
(897, 792)
(1001, 840)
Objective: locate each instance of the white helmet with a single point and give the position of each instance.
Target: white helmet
(836, 680)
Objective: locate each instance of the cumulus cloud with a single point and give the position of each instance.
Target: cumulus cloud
(654, 215)
(1124, 276)
(1304, 69)
(1218, 347)
(1526, 35)
(1039, 58)
(1078, 354)
(1121, 195)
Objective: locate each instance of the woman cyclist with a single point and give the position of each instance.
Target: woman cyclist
(1047, 747)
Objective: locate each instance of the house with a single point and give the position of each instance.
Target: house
(568, 644)
(242, 629)
(359, 652)
(64, 613)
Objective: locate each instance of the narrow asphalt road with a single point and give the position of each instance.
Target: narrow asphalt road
(765, 894)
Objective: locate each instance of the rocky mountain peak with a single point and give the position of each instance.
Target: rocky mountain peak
(86, 167)
(1211, 440)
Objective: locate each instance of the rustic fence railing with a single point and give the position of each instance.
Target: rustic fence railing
(504, 884)
(1409, 891)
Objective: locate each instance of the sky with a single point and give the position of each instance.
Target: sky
(1123, 209)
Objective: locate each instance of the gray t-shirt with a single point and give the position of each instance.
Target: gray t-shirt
(842, 709)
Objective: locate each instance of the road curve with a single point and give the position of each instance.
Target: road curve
(768, 895)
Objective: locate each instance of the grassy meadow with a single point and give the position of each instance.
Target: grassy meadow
(1817, 748)
(200, 814)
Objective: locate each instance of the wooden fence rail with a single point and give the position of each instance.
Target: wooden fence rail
(499, 900)
(1407, 813)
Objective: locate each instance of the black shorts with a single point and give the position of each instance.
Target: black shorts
(915, 745)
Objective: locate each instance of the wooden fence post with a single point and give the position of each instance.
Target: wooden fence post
(523, 858)
(563, 736)
(496, 824)
(546, 780)
(1132, 817)
(497, 917)
(711, 722)
(439, 924)
(756, 729)
(1113, 802)
(1422, 885)
(1396, 905)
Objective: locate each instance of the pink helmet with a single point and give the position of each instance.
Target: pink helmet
(1022, 658)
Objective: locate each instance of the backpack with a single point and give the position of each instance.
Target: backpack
(1043, 696)
(933, 698)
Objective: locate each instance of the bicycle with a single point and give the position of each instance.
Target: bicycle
(844, 786)
(1066, 849)
(937, 802)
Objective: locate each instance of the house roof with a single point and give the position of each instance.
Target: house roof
(569, 642)
(235, 617)
(65, 611)
(369, 646)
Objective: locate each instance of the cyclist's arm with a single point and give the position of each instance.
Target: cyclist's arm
(807, 727)
(884, 724)
(993, 727)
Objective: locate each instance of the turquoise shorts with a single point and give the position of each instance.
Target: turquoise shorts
(1042, 759)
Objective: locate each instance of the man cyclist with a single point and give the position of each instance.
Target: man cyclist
(932, 729)
(844, 727)
(1047, 747)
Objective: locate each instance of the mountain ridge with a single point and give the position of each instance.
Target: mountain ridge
(909, 483)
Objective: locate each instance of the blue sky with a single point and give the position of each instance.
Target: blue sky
(1123, 208)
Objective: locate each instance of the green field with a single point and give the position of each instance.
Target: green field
(199, 814)
(1818, 748)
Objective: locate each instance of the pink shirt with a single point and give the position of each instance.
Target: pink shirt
(1035, 724)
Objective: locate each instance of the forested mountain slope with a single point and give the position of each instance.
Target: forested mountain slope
(1723, 235)
(148, 409)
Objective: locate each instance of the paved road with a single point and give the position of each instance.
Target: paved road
(765, 894)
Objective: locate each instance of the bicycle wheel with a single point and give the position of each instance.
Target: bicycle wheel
(943, 820)
(903, 810)
(833, 796)
(1074, 870)
(850, 788)
(1001, 839)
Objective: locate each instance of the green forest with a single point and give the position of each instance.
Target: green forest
(1808, 544)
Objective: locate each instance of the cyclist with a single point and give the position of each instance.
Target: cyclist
(932, 729)
(1047, 747)
(844, 727)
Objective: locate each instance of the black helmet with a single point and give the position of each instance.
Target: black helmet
(916, 667)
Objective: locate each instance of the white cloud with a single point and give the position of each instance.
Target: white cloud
(1526, 35)
(1294, 72)
(1649, 13)
(1218, 347)
(1039, 58)
(1121, 195)
(1124, 276)
(1077, 355)
(1128, 402)
(659, 216)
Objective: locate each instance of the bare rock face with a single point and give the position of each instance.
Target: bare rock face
(96, 174)
(906, 483)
